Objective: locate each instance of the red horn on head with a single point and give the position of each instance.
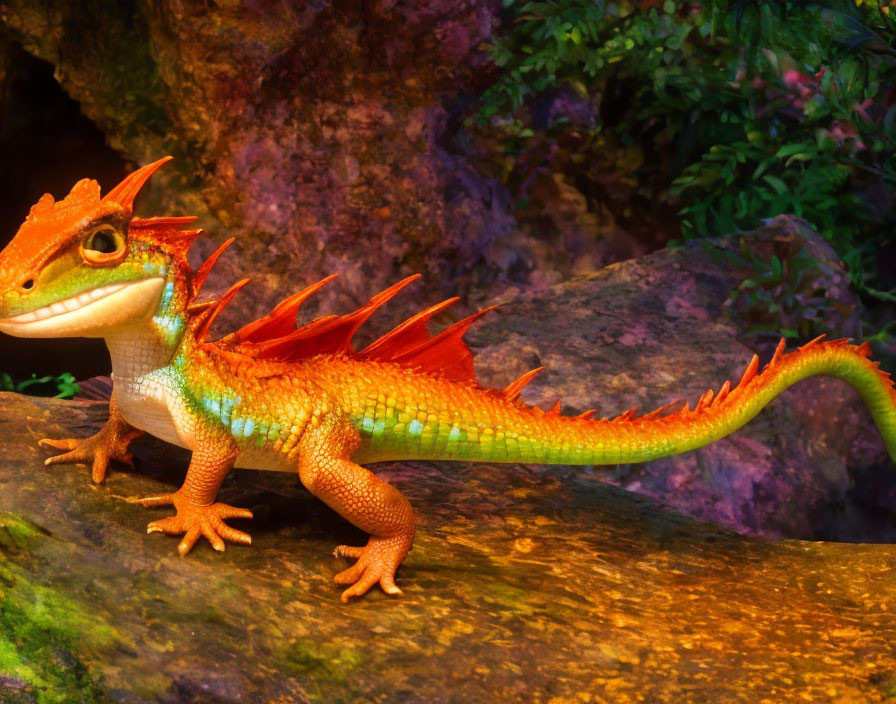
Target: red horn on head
(125, 192)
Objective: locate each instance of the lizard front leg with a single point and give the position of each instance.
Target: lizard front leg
(197, 513)
(110, 443)
(362, 498)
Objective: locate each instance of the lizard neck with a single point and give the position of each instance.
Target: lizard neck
(151, 344)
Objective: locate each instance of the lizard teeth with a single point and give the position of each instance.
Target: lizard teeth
(68, 305)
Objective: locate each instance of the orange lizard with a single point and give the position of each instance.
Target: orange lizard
(274, 396)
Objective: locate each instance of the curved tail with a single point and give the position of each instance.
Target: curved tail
(462, 422)
(631, 439)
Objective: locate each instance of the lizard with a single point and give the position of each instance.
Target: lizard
(276, 395)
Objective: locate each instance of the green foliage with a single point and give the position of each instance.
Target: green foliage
(62, 386)
(743, 109)
(787, 295)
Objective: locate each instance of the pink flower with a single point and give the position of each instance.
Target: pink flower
(862, 109)
(793, 78)
(840, 132)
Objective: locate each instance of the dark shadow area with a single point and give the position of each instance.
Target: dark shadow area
(46, 146)
(866, 514)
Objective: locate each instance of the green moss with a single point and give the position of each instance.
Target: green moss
(16, 532)
(508, 597)
(322, 663)
(149, 686)
(227, 588)
(290, 594)
(211, 616)
(44, 634)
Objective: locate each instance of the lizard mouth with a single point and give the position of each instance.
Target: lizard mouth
(69, 305)
(93, 313)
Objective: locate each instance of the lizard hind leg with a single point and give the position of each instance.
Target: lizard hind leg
(364, 500)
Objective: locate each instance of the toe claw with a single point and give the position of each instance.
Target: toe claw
(234, 512)
(387, 582)
(98, 471)
(61, 444)
(234, 535)
(348, 551)
(65, 458)
(212, 536)
(189, 541)
(166, 525)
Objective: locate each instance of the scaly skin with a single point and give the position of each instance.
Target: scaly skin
(271, 396)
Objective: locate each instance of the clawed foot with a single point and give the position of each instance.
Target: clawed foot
(194, 521)
(98, 450)
(377, 562)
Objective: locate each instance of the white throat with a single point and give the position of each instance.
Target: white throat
(146, 392)
(136, 353)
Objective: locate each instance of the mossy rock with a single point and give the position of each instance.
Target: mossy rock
(524, 586)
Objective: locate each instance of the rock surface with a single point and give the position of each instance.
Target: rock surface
(523, 586)
(316, 129)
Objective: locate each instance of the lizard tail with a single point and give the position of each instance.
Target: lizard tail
(636, 439)
(495, 426)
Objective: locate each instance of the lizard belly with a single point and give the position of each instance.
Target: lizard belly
(153, 406)
(156, 408)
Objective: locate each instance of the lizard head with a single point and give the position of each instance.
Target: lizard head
(84, 266)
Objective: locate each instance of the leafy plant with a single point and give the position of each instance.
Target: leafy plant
(62, 386)
(742, 110)
(787, 294)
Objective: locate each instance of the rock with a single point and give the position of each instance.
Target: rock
(325, 136)
(654, 330)
(523, 586)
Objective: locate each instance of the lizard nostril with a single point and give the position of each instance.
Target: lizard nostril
(29, 284)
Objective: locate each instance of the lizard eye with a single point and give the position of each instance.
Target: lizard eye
(105, 244)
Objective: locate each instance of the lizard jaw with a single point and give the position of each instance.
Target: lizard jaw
(92, 313)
